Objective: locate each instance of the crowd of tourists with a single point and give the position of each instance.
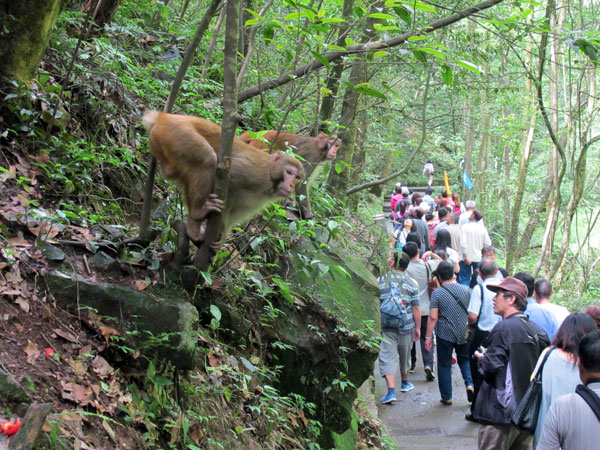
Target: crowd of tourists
(447, 295)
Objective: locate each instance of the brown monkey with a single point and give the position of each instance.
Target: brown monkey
(314, 151)
(187, 146)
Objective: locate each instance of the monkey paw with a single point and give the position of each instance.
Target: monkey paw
(213, 203)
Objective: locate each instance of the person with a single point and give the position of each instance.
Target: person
(448, 316)
(396, 343)
(474, 237)
(560, 375)
(431, 222)
(458, 207)
(428, 172)
(443, 222)
(512, 350)
(421, 229)
(529, 282)
(427, 198)
(571, 423)
(401, 234)
(455, 233)
(420, 271)
(594, 313)
(466, 215)
(444, 242)
(546, 314)
(489, 252)
(482, 318)
(447, 200)
(400, 212)
(397, 196)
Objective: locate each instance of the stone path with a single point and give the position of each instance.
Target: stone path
(419, 421)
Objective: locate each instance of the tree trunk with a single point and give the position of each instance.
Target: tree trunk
(105, 13)
(26, 29)
(214, 226)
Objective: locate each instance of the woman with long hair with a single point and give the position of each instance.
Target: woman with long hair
(457, 207)
(443, 242)
(560, 374)
(402, 233)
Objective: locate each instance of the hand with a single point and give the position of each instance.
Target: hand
(417, 334)
(428, 344)
(478, 354)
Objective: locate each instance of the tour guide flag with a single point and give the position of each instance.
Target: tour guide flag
(467, 180)
(447, 183)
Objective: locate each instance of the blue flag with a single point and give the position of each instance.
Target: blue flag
(467, 180)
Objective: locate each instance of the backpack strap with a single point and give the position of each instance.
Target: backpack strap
(480, 306)
(590, 398)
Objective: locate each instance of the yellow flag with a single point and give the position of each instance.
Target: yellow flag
(447, 183)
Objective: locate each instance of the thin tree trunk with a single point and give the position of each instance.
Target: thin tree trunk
(214, 226)
(213, 41)
(185, 63)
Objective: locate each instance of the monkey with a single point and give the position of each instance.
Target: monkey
(186, 148)
(315, 151)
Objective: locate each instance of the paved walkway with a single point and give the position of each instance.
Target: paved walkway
(419, 421)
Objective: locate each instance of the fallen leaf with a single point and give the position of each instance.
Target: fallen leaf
(213, 361)
(101, 367)
(19, 242)
(23, 304)
(32, 351)
(140, 285)
(9, 292)
(66, 335)
(77, 393)
(107, 332)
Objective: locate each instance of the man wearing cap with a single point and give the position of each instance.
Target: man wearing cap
(511, 352)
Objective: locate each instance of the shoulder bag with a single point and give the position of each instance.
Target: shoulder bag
(525, 416)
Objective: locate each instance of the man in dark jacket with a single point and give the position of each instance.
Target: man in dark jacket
(512, 350)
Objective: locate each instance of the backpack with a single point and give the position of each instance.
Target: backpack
(428, 168)
(393, 309)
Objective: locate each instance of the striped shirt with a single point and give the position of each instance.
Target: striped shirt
(452, 318)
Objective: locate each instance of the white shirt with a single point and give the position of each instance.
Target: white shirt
(474, 237)
(487, 318)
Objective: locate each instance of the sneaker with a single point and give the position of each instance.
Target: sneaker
(429, 375)
(406, 386)
(389, 398)
(470, 394)
(413, 365)
(447, 402)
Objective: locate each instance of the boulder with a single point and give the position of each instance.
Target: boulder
(134, 310)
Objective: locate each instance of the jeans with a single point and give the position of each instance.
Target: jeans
(466, 271)
(444, 357)
(426, 355)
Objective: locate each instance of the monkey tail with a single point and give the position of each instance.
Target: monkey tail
(149, 119)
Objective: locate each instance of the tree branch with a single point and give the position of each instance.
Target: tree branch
(363, 48)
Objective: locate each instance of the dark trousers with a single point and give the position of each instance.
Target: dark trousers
(480, 336)
(427, 356)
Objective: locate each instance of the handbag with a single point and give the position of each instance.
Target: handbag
(525, 416)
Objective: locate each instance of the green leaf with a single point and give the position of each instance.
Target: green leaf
(380, 54)
(433, 52)
(332, 20)
(467, 65)
(423, 7)
(416, 38)
(382, 16)
(215, 311)
(366, 90)
(403, 13)
(251, 22)
(420, 56)
(447, 74)
(268, 32)
(336, 47)
(322, 59)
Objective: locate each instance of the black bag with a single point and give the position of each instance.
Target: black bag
(525, 416)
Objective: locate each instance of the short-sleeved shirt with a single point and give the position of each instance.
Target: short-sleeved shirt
(420, 272)
(452, 317)
(487, 318)
(549, 316)
(402, 286)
